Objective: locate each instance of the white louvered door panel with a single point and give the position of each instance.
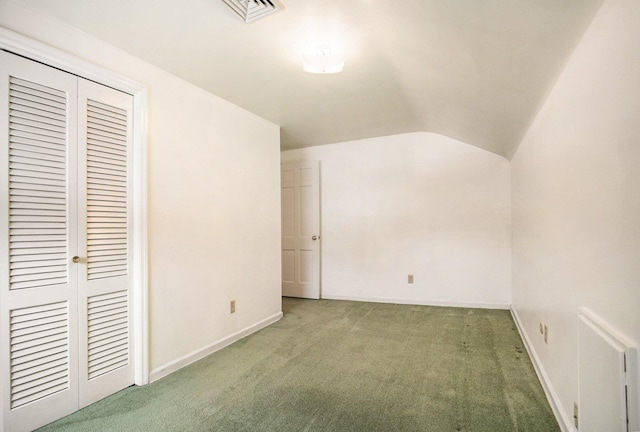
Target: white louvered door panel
(105, 131)
(38, 285)
(66, 328)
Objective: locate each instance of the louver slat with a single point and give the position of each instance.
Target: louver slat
(37, 185)
(108, 339)
(39, 351)
(107, 223)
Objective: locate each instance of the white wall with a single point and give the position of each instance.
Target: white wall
(576, 200)
(419, 204)
(214, 214)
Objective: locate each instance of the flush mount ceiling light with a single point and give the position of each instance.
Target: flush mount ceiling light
(323, 59)
(251, 10)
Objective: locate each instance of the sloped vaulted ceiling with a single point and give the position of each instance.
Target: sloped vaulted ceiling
(474, 70)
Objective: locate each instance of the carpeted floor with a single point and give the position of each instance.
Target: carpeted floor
(345, 366)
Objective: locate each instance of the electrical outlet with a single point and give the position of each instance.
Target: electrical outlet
(410, 279)
(575, 413)
(546, 332)
(233, 306)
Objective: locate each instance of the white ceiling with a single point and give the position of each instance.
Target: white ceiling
(474, 70)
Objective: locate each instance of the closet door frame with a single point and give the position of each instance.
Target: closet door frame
(50, 56)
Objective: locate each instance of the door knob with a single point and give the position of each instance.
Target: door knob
(76, 259)
(314, 238)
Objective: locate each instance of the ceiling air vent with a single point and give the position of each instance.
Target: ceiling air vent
(251, 10)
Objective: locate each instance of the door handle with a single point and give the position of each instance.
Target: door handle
(314, 238)
(76, 259)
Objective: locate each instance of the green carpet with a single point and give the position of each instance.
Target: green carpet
(345, 366)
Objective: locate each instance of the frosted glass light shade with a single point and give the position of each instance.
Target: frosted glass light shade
(323, 59)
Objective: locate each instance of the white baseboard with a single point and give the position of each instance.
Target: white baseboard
(564, 420)
(196, 355)
(420, 302)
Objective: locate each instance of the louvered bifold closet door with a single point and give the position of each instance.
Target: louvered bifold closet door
(105, 135)
(38, 285)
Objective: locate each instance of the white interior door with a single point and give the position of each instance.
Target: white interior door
(104, 239)
(300, 197)
(65, 334)
(38, 290)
